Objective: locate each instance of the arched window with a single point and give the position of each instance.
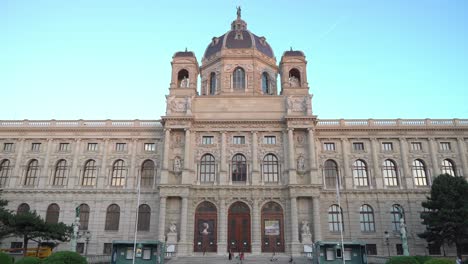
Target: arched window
(212, 83)
(239, 168)
(389, 171)
(144, 217)
(294, 78)
(89, 173)
(330, 171)
(238, 79)
(32, 172)
(4, 172)
(52, 215)
(112, 217)
(183, 79)
(60, 172)
(419, 173)
(335, 218)
(23, 208)
(207, 168)
(360, 173)
(147, 173)
(366, 218)
(266, 83)
(84, 216)
(396, 212)
(118, 177)
(448, 167)
(270, 168)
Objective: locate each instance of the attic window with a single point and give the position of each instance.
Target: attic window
(262, 40)
(239, 35)
(214, 41)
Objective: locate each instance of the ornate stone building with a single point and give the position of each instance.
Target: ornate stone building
(236, 163)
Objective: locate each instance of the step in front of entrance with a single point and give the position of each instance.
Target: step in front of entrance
(262, 259)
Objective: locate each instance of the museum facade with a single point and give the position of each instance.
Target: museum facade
(239, 163)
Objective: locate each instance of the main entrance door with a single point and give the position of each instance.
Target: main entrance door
(205, 228)
(272, 228)
(239, 228)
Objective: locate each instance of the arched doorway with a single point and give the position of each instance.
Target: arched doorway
(206, 226)
(272, 228)
(239, 228)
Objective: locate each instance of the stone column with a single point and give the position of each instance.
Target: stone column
(292, 163)
(316, 218)
(45, 177)
(102, 180)
(74, 177)
(222, 227)
(406, 178)
(186, 172)
(17, 169)
(162, 219)
(313, 174)
(223, 172)
(294, 227)
(165, 162)
(257, 232)
(255, 170)
(462, 153)
(183, 245)
(435, 162)
(377, 173)
(347, 177)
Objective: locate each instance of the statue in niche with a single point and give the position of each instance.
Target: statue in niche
(300, 164)
(293, 81)
(177, 164)
(184, 83)
(173, 228)
(305, 229)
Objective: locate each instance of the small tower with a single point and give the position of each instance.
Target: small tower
(293, 73)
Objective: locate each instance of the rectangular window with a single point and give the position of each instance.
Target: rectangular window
(63, 147)
(107, 249)
(434, 249)
(18, 245)
(399, 249)
(445, 146)
(416, 146)
(150, 147)
(207, 140)
(358, 146)
(92, 146)
(120, 146)
(238, 140)
(80, 247)
(329, 146)
(8, 147)
(387, 146)
(269, 140)
(35, 147)
(371, 249)
(339, 253)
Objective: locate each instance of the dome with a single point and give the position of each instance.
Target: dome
(238, 38)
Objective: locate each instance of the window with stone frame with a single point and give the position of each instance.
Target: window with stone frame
(23, 208)
(416, 146)
(207, 140)
(120, 147)
(389, 171)
(89, 173)
(53, 213)
(238, 140)
(360, 173)
(84, 216)
(60, 173)
(419, 173)
(445, 146)
(212, 90)
(207, 168)
(448, 167)
(32, 173)
(335, 218)
(35, 147)
(387, 146)
(238, 79)
(329, 146)
(64, 147)
(330, 171)
(150, 147)
(395, 217)
(239, 168)
(266, 89)
(107, 250)
(8, 147)
(270, 168)
(148, 169)
(358, 146)
(371, 249)
(92, 147)
(5, 169)
(118, 173)
(112, 218)
(366, 218)
(269, 140)
(144, 217)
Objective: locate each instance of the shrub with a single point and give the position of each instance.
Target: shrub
(28, 260)
(5, 258)
(440, 261)
(422, 259)
(402, 260)
(65, 257)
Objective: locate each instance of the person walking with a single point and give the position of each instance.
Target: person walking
(230, 255)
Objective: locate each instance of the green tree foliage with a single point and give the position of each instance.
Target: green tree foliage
(446, 217)
(5, 258)
(440, 261)
(29, 260)
(65, 257)
(402, 260)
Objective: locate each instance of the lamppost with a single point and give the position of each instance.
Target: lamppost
(87, 236)
(387, 242)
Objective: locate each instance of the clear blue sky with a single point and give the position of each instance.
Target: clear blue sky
(100, 59)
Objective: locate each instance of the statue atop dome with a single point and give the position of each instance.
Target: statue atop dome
(239, 12)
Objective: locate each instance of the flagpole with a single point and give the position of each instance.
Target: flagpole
(136, 217)
(340, 217)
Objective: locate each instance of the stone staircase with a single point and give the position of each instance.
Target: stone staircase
(258, 259)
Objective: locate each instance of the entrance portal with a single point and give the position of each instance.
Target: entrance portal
(206, 227)
(239, 228)
(272, 228)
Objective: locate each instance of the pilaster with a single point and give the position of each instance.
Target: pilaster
(102, 179)
(133, 174)
(165, 163)
(462, 154)
(316, 218)
(162, 219)
(294, 244)
(347, 178)
(74, 177)
(183, 246)
(313, 173)
(292, 165)
(45, 176)
(186, 173)
(377, 182)
(406, 178)
(222, 227)
(256, 232)
(435, 162)
(255, 169)
(17, 168)
(223, 180)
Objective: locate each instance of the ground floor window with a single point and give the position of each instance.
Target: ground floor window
(399, 249)
(107, 249)
(80, 247)
(434, 249)
(371, 249)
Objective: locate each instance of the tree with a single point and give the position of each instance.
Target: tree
(446, 217)
(31, 226)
